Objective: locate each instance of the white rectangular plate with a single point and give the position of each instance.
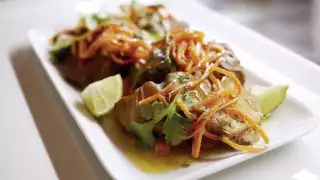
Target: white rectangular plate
(294, 118)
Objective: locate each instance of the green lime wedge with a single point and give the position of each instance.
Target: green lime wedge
(101, 96)
(269, 97)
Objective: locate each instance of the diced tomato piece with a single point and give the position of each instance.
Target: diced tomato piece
(161, 147)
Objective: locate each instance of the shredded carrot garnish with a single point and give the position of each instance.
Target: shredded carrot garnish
(162, 99)
(111, 39)
(212, 136)
(232, 76)
(196, 143)
(185, 110)
(215, 81)
(188, 68)
(247, 119)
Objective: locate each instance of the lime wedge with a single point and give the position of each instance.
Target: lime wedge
(269, 97)
(101, 96)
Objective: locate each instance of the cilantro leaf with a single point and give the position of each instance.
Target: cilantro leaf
(156, 110)
(172, 107)
(153, 113)
(159, 110)
(187, 98)
(183, 79)
(146, 111)
(176, 128)
(144, 132)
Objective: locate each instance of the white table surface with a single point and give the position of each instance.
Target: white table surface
(40, 141)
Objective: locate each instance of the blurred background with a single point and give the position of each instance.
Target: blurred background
(292, 23)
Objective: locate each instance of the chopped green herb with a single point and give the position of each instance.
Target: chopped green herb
(155, 35)
(153, 113)
(175, 127)
(146, 111)
(144, 132)
(183, 79)
(159, 110)
(232, 126)
(187, 98)
(205, 109)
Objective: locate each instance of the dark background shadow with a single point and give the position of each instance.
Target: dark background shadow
(68, 150)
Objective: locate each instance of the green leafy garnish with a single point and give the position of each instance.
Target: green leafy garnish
(183, 79)
(159, 110)
(146, 111)
(179, 76)
(144, 132)
(153, 113)
(59, 50)
(205, 109)
(187, 98)
(175, 127)
(155, 35)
